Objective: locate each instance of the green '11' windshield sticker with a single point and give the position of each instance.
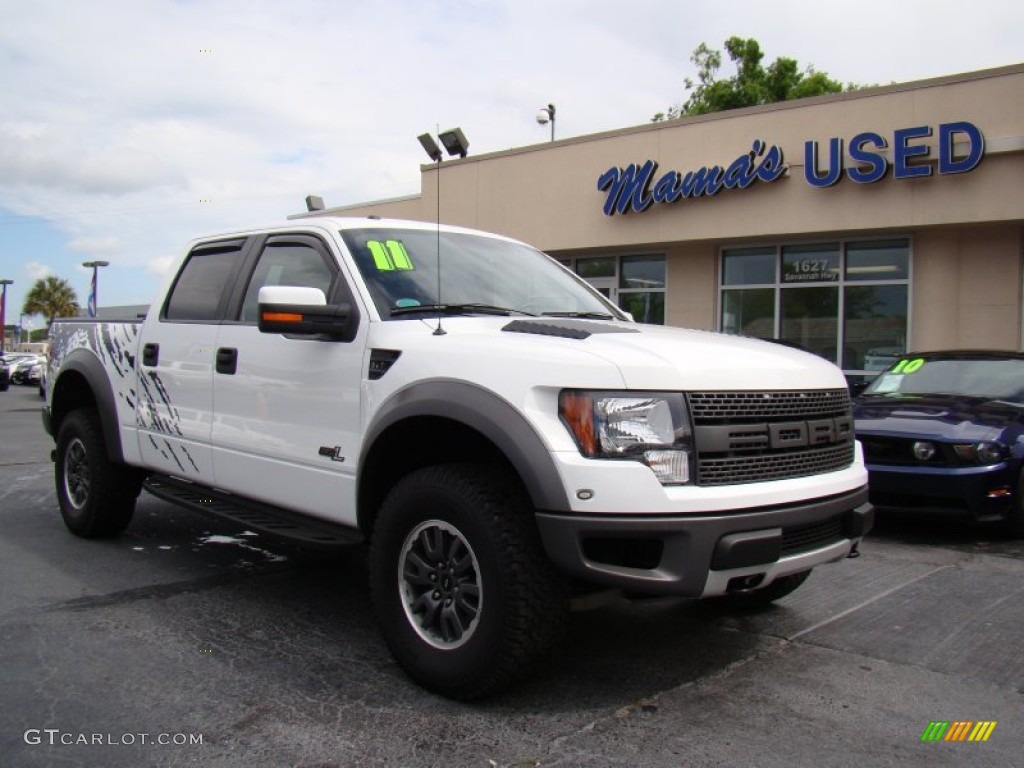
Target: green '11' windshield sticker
(908, 366)
(389, 255)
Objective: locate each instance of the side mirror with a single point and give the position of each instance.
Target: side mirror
(300, 311)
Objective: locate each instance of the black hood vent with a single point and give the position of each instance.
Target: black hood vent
(565, 329)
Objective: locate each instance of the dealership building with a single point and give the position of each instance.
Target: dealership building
(858, 225)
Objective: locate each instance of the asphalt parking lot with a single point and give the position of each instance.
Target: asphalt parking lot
(235, 649)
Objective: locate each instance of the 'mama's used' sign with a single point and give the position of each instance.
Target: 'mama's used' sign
(635, 188)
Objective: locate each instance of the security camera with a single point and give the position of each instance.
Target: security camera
(543, 116)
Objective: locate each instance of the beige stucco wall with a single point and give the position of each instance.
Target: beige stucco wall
(967, 288)
(547, 194)
(691, 301)
(966, 228)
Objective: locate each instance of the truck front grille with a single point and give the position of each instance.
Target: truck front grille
(718, 407)
(751, 437)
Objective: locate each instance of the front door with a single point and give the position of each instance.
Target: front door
(287, 426)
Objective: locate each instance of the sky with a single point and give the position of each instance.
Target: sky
(129, 127)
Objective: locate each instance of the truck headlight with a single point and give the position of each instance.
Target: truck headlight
(649, 427)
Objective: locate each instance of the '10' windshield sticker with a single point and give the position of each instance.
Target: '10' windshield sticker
(908, 366)
(389, 255)
(890, 380)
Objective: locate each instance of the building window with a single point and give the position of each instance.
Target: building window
(634, 283)
(846, 301)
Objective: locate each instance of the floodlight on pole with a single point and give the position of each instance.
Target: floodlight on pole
(454, 141)
(430, 147)
(93, 302)
(546, 115)
(3, 312)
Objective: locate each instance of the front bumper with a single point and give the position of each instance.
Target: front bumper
(705, 555)
(981, 494)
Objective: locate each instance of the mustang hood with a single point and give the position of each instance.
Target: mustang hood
(950, 417)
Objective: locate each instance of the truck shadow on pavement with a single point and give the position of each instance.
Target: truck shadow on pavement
(949, 534)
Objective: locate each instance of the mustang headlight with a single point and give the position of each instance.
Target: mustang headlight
(985, 452)
(649, 427)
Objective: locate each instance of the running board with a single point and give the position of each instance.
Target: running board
(264, 518)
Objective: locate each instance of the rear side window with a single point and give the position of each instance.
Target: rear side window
(204, 282)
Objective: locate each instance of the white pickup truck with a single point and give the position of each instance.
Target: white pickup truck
(496, 430)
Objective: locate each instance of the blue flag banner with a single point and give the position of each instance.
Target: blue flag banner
(91, 310)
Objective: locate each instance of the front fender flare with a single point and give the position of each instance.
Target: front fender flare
(491, 416)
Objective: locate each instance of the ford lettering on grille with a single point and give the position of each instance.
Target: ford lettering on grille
(748, 437)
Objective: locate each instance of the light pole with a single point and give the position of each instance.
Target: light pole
(454, 142)
(546, 115)
(93, 303)
(3, 312)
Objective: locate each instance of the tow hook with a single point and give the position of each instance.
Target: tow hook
(854, 552)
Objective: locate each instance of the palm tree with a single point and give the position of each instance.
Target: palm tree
(51, 297)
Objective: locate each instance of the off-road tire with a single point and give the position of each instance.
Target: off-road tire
(513, 604)
(763, 597)
(96, 496)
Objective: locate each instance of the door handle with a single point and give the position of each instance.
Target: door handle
(227, 360)
(151, 355)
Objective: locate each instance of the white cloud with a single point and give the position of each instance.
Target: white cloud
(97, 246)
(160, 266)
(37, 271)
(117, 123)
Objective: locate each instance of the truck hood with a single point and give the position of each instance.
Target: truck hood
(659, 357)
(647, 356)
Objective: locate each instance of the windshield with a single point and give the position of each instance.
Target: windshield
(478, 275)
(990, 378)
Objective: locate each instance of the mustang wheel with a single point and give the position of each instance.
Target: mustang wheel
(463, 591)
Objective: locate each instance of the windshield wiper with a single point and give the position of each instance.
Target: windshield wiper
(585, 315)
(458, 309)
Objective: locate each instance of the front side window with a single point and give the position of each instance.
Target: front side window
(401, 270)
(285, 262)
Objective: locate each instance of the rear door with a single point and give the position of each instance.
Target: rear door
(174, 397)
(287, 425)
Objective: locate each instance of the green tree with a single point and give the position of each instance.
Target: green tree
(51, 297)
(752, 84)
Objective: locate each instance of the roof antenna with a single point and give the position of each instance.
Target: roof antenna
(455, 143)
(439, 331)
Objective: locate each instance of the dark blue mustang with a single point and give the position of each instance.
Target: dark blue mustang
(943, 433)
